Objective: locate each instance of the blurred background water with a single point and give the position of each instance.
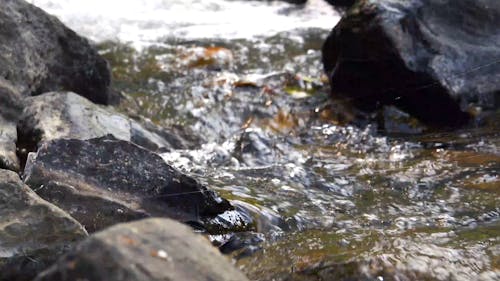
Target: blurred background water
(148, 22)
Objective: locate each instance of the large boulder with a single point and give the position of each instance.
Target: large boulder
(105, 181)
(152, 249)
(39, 54)
(58, 115)
(430, 58)
(33, 232)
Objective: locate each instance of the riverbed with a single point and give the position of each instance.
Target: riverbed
(332, 195)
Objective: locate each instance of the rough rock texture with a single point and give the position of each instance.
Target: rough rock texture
(104, 181)
(152, 249)
(58, 115)
(33, 232)
(10, 109)
(8, 138)
(39, 54)
(431, 58)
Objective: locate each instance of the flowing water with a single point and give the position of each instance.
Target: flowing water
(332, 197)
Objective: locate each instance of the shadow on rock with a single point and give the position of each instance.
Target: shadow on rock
(152, 249)
(104, 181)
(421, 56)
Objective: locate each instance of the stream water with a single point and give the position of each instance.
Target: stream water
(333, 198)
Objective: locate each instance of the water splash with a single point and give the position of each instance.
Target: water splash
(147, 22)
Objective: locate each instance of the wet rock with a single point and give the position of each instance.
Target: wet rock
(58, 115)
(10, 109)
(341, 3)
(299, 2)
(336, 3)
(33, 232)
(104, 181)
(242, 244)
(152, 249)
(39, 54)
(295, 1)
(421, 56)
(254, 148)
(395, 121)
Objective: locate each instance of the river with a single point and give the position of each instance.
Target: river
(241, 82)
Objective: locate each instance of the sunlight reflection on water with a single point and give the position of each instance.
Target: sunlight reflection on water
(144, 22)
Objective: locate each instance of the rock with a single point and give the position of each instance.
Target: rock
(297, 2)
(242, 244)
(8, 138)
(255, 148)
(152, 249)
(33, 232)
(430, 58)
(341, 3)
(336, 3)
(105, 181)
(39, 54)
(58, 115)
(10, 109)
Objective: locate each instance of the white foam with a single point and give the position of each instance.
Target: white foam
(143, 22)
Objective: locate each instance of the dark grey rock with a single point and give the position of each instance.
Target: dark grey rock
(297, 2)
(341, 3)
(242, 244)
(152, 249)
(33, 232)
(336, 3)
(39, 54)
(58, 115)
(105, 181)
(430, 58)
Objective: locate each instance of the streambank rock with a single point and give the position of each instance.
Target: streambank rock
(152, 249)
(39, 54)
(104, 181)
(8, 138)
(430, 58)
(10, 109)
(58, 115)
(33, 232)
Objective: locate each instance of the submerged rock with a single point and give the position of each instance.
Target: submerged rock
(39, 54)
(152, 249)
(430, 58)
(58, 115)
(242, 244)
(33, 232)
(105, 181)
